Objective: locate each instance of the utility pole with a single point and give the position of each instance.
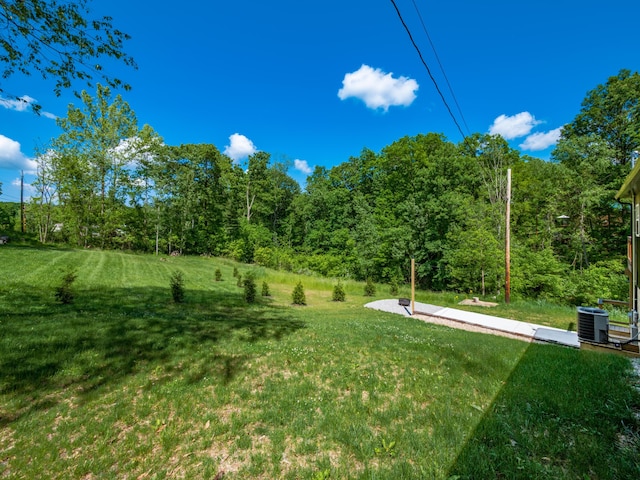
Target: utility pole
(507, 233)
(22, 217)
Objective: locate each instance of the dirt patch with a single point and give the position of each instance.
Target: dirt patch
(468, 327)
(477, 302)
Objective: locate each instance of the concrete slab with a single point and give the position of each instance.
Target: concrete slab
(513, 327)
(554, 335)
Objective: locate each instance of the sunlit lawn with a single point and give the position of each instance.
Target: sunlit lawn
(123, 383)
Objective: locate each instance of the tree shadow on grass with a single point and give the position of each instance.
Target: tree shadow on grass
(561, 414)
(108, 334)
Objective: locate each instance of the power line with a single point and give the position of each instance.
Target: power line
(455, 100)
(428, 69)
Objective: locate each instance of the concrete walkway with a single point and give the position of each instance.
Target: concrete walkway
(529, 331)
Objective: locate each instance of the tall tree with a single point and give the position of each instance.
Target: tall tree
(611, 114)
(59, 40)
(43, 202)
(597, 148)
(94, 163)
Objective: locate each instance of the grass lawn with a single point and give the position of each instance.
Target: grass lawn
(123, 383)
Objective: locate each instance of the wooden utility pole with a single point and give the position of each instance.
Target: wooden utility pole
(413, 285)
(507, 233)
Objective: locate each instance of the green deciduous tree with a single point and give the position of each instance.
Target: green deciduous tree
(475, 258)
(59, 40)
(611, 112)
(91, 167)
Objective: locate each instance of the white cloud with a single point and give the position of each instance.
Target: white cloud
(22, 104)
(131, 151)
(49, 115)
(19, 104)
(11, 158)
(378, 89)
(302, 166)
(541, 141)
(239, 147)
(515, 126)
(29, 189)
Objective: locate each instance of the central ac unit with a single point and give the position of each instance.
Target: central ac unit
(593, 324)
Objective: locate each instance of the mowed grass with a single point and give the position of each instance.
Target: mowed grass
(123, 383)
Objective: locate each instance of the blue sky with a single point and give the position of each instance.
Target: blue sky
(314, 83)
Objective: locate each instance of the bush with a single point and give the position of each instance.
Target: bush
(338, 293)
(239, 280)
(298, 295)
(393, 290)
(177, 286)
(249, 288)
(605, 279)
(369, 288)
(218, 275)
(265, 290)
(64, 292)
(235, 272)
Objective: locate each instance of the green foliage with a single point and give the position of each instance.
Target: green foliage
(9, 216)
(474, 258)
(298, 296)
(420, 197)
(64, 27)
(386, 449)
(250, 290)
(218, 275)
(265, 289)
(369, 288)
(604, 279)
(338, 293)
(537, 274)
(322, 475)
(239, 282)
(235, 272)
(394, 288)
(176, 282)
(64, 292)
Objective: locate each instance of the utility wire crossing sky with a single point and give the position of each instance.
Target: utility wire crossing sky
(314, 84)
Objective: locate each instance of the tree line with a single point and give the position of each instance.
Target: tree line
(106, 182)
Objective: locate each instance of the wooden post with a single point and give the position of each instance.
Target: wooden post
(507, 232)
(413, 285)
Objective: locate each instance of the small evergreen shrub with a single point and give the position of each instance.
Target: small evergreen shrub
(218, 275)
(265, 290)
(239, 280)
(298, 296)
(393, 290)
(64, 292)
(369, 288)
(177, 286)
(338, 293)
(235, 272)
(250, 289)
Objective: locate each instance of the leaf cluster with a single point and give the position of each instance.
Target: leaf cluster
(59, 40)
